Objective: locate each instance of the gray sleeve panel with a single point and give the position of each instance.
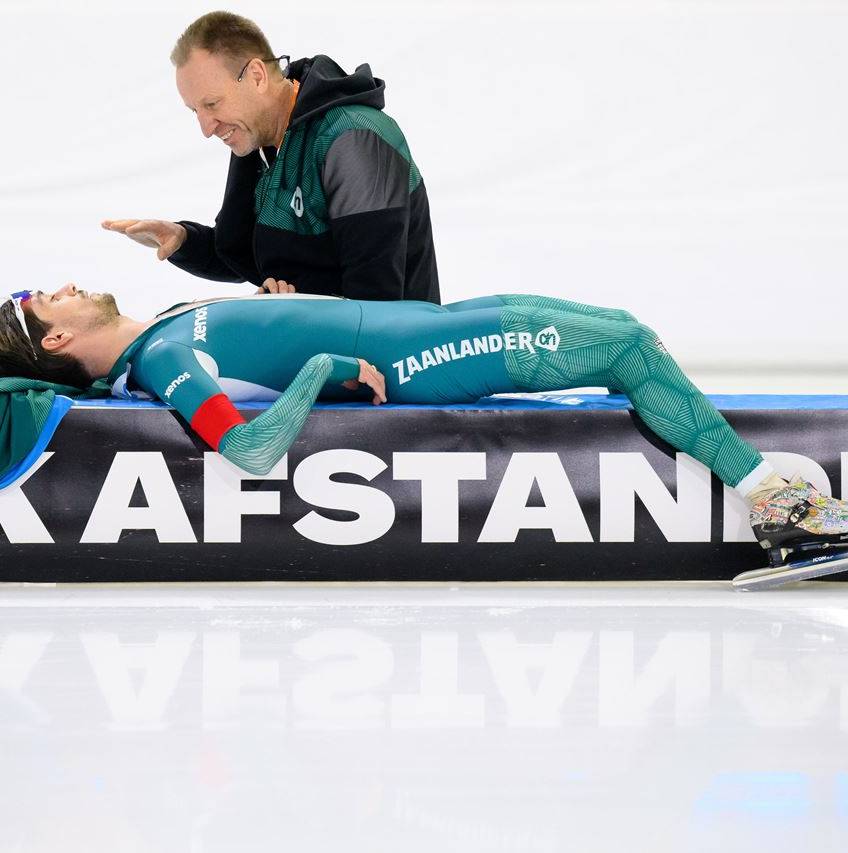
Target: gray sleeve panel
(363, 173)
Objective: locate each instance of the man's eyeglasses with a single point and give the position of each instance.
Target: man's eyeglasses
(284, 66)
(17, 300)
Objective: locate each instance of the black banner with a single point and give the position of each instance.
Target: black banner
(397, 494)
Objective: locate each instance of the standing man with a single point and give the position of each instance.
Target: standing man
(322, 193)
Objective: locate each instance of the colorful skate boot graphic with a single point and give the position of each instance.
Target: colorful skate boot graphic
(804, 532)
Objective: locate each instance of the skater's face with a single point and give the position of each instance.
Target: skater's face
(72, 308)
(234, 110)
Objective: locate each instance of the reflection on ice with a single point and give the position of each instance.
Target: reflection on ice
(492, 717)
(353, 658)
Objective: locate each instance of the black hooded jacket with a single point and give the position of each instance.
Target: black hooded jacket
(340, 210)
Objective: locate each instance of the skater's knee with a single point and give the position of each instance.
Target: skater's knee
(647, 338)
(625, 316)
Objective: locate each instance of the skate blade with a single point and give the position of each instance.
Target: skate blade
(800, 570)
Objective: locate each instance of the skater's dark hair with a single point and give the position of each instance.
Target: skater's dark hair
(29, 360)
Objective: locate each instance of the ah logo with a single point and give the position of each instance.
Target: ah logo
(297, 202)
(548, 339)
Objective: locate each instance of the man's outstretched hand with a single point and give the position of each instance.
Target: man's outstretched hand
(370, 376)
(165, 237)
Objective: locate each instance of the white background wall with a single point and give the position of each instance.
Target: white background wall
(686, 160)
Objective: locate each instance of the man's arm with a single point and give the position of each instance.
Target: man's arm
(187, 245)
(204, 250)
(179, 378)
(366, 184)
(197, 255)
(193, 247)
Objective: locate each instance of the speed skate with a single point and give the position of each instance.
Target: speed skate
(804, 532)
(799, 563)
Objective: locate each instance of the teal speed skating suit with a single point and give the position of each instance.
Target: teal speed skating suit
(291, 349)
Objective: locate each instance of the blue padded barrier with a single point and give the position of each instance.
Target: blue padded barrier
(545, 401)
(61, 406)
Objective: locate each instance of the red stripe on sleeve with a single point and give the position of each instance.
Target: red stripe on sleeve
(214, 418)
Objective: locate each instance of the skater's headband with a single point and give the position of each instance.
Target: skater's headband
(18, 298)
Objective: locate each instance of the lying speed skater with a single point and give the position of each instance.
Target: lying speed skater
(202, 357)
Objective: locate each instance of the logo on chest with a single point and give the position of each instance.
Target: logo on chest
(297, 202)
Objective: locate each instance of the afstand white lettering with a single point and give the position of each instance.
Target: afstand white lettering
(624, 477)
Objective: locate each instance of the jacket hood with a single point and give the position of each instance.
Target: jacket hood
(324, 85)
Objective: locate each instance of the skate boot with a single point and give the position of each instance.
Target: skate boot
(804, 532)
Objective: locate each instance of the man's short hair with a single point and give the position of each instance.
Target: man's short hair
(28, 360)
(224, 34)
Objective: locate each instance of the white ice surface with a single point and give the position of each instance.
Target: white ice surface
(571, 717)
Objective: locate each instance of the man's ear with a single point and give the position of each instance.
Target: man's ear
(258, 74)
(56, 340)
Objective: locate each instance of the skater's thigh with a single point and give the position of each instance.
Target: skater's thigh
(567, 306)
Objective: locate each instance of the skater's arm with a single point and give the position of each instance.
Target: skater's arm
(258, 446)
(179, 378)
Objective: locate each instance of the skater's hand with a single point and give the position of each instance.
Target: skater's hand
(165, 237)
(370, 376)
(271, 285)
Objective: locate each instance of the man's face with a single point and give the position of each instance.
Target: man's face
(233, 111)
(73, 309)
